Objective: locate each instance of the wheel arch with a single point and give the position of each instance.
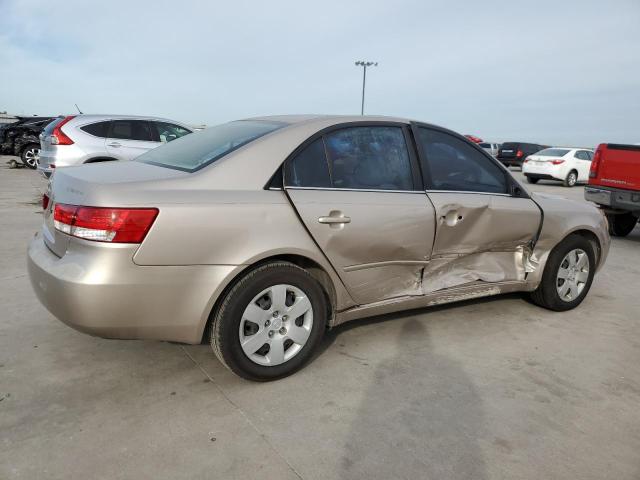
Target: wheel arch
(101, 159)
(317, 271)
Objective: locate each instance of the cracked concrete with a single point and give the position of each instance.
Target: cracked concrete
(487, 389)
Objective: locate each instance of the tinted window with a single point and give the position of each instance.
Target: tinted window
(583, 155)
(589, 155)
(167, 132)
(131, 130)
(100, 129)
(369, 158)
(455, 165)
(553, 152)
(309, 168)
(485, 145)
(48, 130)
(195, 151)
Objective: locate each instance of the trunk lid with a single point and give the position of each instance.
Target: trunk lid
(107, 184)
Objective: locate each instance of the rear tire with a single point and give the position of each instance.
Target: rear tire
(29, 154)
(533, 180)
(548, 294)
(572, 179)
(621, 225)
(273, 353)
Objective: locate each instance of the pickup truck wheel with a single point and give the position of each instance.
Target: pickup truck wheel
(29, 154)
(270, 322)
(567, 275)
(621, 225)
(533, 180)
(572, 179)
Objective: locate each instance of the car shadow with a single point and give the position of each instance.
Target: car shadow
(421, 416)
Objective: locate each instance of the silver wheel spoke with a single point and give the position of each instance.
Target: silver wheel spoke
(276, 351)
(298, 334)
(563, 273)
(582, 277)
(564, 289)
(278, 297)
(301, 306)
(253, 343)
(255, 314)
(582, 261)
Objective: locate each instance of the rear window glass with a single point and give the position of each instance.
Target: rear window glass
(553, 152)
(196, 151)
(485, 145)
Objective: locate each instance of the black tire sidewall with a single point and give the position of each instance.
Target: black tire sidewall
(227, 322)
(622, 225)
(550, 292)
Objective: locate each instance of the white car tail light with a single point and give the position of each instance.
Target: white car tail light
(100, 224)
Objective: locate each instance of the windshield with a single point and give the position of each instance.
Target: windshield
(196, 151)
(553, 152)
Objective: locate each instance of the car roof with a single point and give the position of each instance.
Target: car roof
(337, 119)
(93, 116)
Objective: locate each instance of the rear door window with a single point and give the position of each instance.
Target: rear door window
(451, 164)
(131, 130)
(309, 168)
(369, 157)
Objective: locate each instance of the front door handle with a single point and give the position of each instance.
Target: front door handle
(114, 144)
(335, 219)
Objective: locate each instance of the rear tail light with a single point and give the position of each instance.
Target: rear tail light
(557, 162)
(595, 163)
(525, 160)
(519, 154)
(115, 225)
(45, 201)
(58, 137)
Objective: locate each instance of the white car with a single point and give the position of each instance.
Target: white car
(490, 148)
(569, 165)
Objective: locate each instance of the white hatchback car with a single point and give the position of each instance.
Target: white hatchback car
(569, 165)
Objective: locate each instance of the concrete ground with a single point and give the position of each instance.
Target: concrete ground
(491, 389)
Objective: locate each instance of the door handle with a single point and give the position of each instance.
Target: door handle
(335, 219)
(114, 144)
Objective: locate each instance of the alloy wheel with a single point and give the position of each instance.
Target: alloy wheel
(573, 275)
(276, 324)
(31, 157)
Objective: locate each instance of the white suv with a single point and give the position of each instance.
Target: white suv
(569, 165)
(79, 139)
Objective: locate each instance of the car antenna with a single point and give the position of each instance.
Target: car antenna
(78, 108)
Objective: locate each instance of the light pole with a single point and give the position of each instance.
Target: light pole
(364, 64)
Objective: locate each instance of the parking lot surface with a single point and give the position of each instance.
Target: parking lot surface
(489, 389)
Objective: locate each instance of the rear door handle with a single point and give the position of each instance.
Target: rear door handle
(335, 219)
(114, 144)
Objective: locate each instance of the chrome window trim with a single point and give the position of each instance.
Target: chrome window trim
(394, 191)
(333, 189)
(468, 191)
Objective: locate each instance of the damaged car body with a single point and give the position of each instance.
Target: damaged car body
(22, 138)
(259, 234)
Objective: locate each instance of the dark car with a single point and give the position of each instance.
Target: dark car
(21, 138)
(514, 153)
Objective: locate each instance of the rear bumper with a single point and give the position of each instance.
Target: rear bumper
(100, 291)
(511, 162)
(613, 198)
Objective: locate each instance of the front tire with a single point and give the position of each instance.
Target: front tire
(270, 322)
(29, 154)
(567, 275)
(621, 225)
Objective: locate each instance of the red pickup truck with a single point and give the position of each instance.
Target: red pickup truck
(614, 184)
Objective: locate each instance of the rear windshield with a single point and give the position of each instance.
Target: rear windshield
(196, 151)
(553, 152)
(510, 146)
(485, 145)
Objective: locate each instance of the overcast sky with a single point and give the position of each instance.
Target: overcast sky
(555, 72)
